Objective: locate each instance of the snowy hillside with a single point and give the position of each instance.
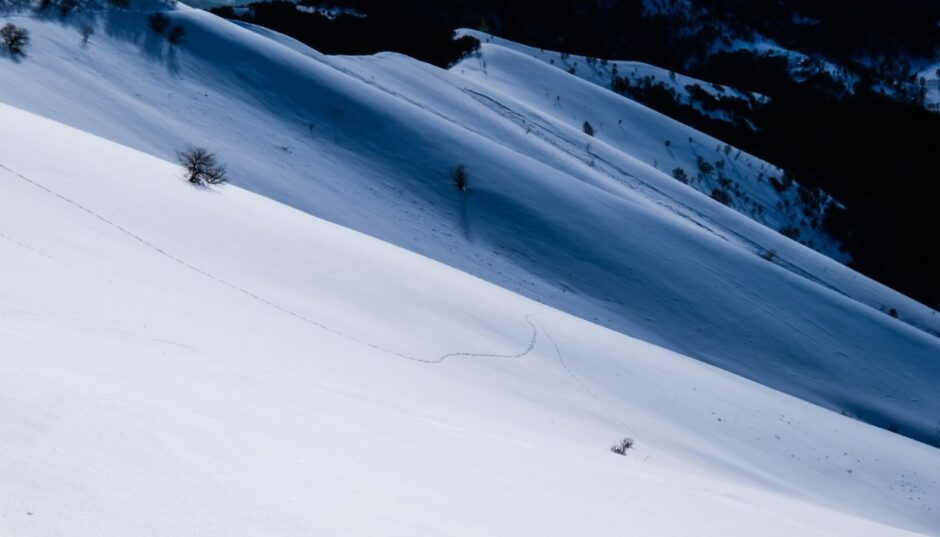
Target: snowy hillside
(588, 225)
(184, 361)
(602, 71)
(749, 185)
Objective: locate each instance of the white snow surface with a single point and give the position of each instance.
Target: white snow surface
(183, 361)
(369, 143)
(225, 362)
(601, 71)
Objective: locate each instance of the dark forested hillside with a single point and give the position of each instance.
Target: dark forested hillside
(848, 120)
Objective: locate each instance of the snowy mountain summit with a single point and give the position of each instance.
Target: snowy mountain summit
(470, 301)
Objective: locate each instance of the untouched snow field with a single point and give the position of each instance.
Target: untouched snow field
(183, 361)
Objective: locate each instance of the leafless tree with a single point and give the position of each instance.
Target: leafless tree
(177, 35)
(621, 447)
(86, 30)
(14, 38)
(202, 167)
(159, 22)
(460, 177)
(67, 6)
(64, 7)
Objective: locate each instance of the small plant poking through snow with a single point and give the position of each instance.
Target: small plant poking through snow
(721, 196)
(86, 30)
(679, 175)
(460, 177)
(202, 167)
(621, 447)
(705, 169)
(14, 38)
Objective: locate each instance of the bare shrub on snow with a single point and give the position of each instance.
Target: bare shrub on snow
(202, 166)
(460, 177)
(621, 447)
(14, 38)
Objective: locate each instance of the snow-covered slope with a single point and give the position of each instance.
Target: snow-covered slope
(601, 71)
(754, 187)
(183, 361)
(586, 225)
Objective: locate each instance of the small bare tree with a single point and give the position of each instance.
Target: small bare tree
(679, 175)
(64, 7)
(768, 255)
(621, 447)
(14, 38)
(202, 167)
(159, 22)
(177, 35)
(67, 6)
(460, 177)
(86, 29)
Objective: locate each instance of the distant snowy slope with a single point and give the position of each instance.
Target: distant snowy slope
(594, 226)
(210, 362)
(601, 71)
(753, 187)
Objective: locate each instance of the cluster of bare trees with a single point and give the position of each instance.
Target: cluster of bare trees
(14, 39)
(161, 24)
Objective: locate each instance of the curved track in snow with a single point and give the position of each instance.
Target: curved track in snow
(288, 311)
(533, 340)
(583, 385)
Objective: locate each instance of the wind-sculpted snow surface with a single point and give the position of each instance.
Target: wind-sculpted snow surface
(193, 361)
(594, 226)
